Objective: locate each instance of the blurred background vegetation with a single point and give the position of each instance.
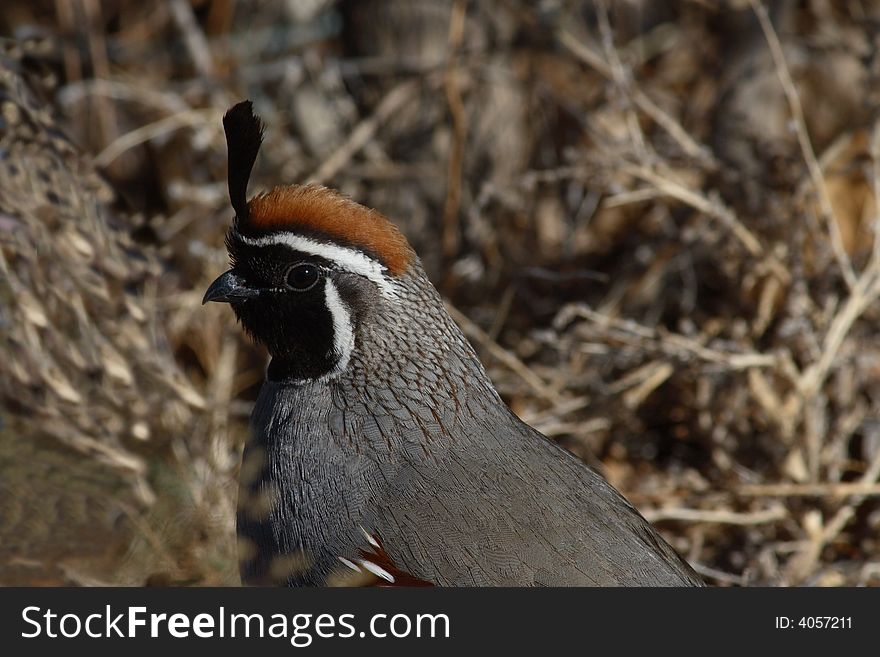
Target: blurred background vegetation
(655, 219)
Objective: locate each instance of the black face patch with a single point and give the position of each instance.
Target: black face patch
(295, 324)
(290, 314)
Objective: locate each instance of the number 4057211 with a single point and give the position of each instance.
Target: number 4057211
(814, 622)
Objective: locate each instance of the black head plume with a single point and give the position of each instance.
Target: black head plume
(244, 135)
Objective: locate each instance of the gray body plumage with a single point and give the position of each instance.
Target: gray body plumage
(412, 444)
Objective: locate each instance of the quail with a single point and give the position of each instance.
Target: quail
(380, 452)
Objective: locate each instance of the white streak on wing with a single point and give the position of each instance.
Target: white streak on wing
(372, 541)
(350, 564)
(350, 259)
(378, 571)
(343, 331)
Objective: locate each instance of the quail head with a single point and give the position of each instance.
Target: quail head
(380, 451)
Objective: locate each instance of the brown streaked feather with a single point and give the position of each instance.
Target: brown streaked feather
(322, 210)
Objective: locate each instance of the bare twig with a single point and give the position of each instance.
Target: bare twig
(875, 185)
(833, 489)
(809, 155)
(670, 343)
(713, 207)
(719, 575)
(681, 136)
(622, 79)
(802, 564)
(196, 43)
(144, 133)
(105, 112)
(399, 96)
(720, 516)
(864, 293)
(122, 91)
(66, 10)
(452, 88)
(504, 356)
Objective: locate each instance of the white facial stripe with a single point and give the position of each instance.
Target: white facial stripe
(343, 331)
(349, 259)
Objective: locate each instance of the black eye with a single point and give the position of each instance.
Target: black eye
(302, 277)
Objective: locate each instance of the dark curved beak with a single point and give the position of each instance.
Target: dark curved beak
(229, 287)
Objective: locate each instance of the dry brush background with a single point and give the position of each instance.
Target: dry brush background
(655, 219)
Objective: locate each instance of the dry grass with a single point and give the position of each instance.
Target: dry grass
(656, 220)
